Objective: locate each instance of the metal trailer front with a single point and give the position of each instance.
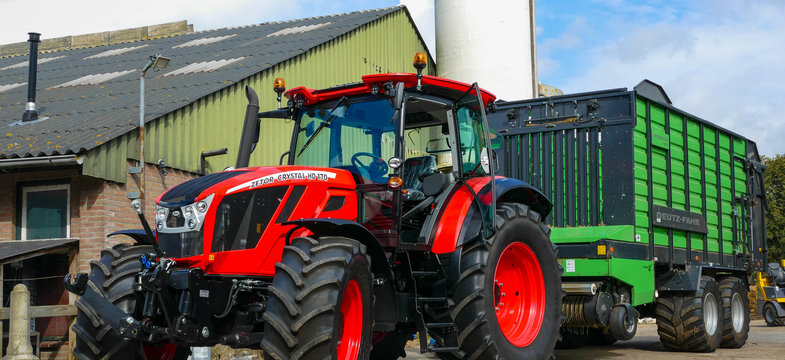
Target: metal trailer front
(639, 187)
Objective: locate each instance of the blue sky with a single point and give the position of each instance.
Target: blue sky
(721, 60)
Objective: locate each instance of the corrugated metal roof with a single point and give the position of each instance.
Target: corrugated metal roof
(85, 116)
(7, 87)
(114, 52)
(203, 41)
(203, 66)
(24, 63)
(15, 250)
(94, 79)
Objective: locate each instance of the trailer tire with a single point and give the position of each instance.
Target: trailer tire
(621, 329)
(315, 284)
(691, 321)
(521, 254)
(735, 313)
(113, 277)
(770, 315)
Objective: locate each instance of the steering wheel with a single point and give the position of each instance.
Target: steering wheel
(377, 167)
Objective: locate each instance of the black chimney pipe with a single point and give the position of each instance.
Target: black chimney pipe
(32, 67)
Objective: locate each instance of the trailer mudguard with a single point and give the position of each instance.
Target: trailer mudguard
(462, 208)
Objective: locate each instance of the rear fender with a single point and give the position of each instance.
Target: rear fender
(462, 208)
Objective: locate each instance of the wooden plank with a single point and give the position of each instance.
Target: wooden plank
(43, 311)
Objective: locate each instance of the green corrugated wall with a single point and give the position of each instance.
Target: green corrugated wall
(709, 175)
(215, 121)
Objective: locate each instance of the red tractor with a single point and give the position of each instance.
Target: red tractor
(385, 222)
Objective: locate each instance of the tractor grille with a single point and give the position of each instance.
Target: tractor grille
(241, 218)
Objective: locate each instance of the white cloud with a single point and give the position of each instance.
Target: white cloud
(721, 61)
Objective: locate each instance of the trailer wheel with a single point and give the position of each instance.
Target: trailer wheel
(321, 302)
(735, 313)
(114, 276)
(507, 300)
(691, 321)
(621, 327)
(770, 315)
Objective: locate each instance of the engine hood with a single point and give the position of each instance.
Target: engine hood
(232, 181)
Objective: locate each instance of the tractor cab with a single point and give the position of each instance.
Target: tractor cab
(407, 139)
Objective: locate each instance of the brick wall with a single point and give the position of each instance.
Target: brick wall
(98, 208)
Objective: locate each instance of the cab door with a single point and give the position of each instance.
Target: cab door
(468, 211)
(475, 153)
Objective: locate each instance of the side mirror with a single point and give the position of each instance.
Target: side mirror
(399, 95)
(485, 161)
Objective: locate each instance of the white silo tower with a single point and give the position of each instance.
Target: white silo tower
(491, 42)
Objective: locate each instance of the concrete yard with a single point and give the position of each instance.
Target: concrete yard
(763, 343)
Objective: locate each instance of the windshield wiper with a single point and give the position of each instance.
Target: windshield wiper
(326, 122)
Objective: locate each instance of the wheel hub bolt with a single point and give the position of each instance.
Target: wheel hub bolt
(205, 332)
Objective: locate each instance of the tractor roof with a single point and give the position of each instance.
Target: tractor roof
(433, 85)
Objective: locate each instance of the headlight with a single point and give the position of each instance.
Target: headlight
(188, 211)
(161, 213)
(201, 206)
(159, 226)
(192, 224)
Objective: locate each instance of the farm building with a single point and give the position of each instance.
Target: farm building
(67, 176)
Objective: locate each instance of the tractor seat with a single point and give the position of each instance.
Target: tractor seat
(777, 274)
(414, 169)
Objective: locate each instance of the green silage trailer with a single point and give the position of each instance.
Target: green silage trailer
(656, 213)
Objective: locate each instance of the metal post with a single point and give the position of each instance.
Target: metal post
(141, 134)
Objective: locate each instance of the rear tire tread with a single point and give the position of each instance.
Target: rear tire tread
(680, 322)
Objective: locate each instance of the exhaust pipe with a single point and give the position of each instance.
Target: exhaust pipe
(250, 135)
(32, 67)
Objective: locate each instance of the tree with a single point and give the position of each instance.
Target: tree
(774, 179)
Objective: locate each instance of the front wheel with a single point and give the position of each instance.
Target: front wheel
(114, 276)
(507, 300)
(770, 315)
(321, 302)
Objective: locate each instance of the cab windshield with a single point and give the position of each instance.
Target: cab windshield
(355, 134)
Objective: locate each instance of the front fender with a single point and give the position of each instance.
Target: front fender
(352, 230)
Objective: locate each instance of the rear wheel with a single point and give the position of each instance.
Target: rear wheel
(113, 277)
(507, 300)
(321, 302)
(735, 313)
(770, 315)
(691, 321)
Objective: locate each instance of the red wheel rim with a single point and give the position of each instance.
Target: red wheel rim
(519, 294)
(161, 352)
(352, 312)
